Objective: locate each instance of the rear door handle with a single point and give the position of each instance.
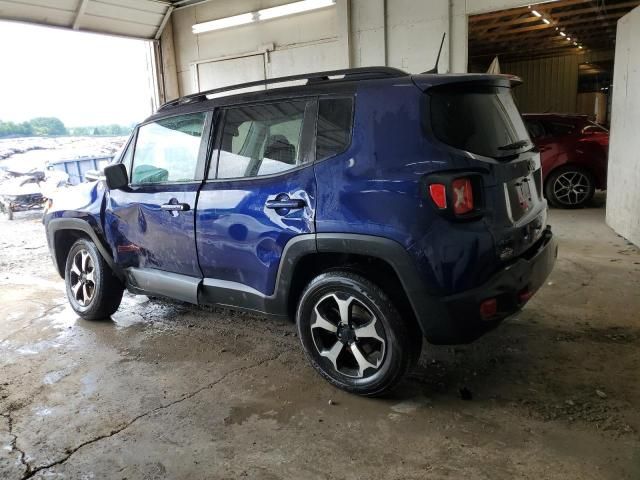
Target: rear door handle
(175, 207)
(286, 203)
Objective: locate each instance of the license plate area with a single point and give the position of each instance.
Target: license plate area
(520, 195)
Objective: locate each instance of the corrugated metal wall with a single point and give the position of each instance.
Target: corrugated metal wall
(550, 84)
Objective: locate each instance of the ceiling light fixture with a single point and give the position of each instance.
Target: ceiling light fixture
(563, 34)
(264, 14)
(293, 8)
(221, 23)
(537, 14)
(546, 21)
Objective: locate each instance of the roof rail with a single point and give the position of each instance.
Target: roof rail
(361, 73)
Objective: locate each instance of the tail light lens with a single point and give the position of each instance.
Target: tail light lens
(456, 195)
(462, 196)
(488, 308)
(438, 193)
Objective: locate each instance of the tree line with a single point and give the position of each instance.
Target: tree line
(46, 126)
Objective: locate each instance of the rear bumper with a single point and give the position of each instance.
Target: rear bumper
(459, 320)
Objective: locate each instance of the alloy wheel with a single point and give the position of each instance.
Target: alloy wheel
(82, 280)
(571, 188)
(347, 334)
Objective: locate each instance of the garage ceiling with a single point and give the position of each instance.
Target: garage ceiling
(131, 18)
(537, 30)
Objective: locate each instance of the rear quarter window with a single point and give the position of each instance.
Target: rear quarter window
(333, 131)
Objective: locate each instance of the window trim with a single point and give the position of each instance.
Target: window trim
(307, 138)
(202, 151)
(352, 97)
(131, 143)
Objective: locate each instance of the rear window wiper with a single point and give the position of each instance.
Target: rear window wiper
(515, 145)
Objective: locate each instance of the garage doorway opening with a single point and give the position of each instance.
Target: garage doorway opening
(562, 50)
(83, 79)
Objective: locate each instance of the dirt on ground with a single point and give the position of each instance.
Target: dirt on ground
(167, 390)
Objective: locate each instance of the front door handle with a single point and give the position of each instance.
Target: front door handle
(286, 203)
(175, 207)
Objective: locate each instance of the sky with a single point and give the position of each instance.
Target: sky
(82, 78)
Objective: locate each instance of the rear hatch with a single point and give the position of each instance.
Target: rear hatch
(478, 124)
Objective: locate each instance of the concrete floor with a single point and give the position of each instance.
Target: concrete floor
(171, 391)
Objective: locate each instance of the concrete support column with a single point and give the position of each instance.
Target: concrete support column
(167, 64)
(344, 30)
(368, 33)
(458, 37)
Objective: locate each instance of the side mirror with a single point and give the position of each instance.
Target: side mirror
(116, 176)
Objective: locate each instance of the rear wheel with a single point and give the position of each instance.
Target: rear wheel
(92, 289)
(570, 187)
(353, 335)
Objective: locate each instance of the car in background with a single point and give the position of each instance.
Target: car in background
(573, 153)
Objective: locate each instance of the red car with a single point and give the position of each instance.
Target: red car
(573, 153)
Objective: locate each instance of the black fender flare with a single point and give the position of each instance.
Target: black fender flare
(236, 295)
(422, 301)
(57, 225)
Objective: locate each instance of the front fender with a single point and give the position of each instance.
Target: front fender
(79, 210)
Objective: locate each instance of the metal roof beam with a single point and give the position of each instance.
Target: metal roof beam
(81, 8)
(163, 24)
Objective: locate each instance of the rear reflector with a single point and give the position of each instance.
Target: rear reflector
(462, 196)
(488, 308)
(525, 296)
(438, 194)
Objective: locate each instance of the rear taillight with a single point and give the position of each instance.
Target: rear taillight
(462, 196)
(454, 196)
(438, 193)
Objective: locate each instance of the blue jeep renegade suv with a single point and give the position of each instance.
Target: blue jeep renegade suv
(374, 207)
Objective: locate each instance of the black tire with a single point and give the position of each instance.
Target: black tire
(103, 289)
(585, 190)
(394, 354)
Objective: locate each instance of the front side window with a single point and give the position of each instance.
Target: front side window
(261, 140)
(167, 150)
(480, 120)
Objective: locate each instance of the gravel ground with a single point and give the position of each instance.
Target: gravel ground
(167, 390)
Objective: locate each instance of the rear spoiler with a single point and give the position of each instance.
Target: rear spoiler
(426, 81)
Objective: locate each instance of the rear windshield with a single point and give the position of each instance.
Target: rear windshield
(484, 121)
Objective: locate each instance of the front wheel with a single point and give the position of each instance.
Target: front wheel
(353, 335)
(570, 187)
(92, 289)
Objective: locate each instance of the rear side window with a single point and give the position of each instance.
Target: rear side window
(484, 120)
(333, 131)
(167, 150)
(535, 128)
(261, 140)
(560, 128)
